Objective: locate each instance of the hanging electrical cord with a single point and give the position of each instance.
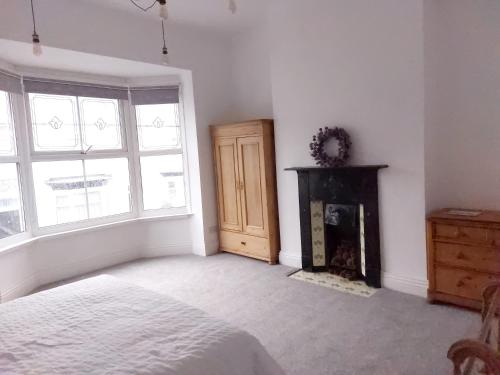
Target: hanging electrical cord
(163, 12)
(144, 9)
(161, 3)
(164, 51)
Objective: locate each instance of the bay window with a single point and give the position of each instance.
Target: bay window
(94, 154)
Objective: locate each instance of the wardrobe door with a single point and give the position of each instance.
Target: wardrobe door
(252, 177)
(226, 156)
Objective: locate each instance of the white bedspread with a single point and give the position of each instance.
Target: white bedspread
(106, 326)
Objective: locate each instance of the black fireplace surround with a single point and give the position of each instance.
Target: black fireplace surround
(340, 186)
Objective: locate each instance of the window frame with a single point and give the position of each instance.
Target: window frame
(42, 154)
(186, 210)
(17, 159)
(79, 155)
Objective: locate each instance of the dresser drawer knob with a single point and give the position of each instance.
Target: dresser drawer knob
(461, 282)
(461, 256)
(243, 243)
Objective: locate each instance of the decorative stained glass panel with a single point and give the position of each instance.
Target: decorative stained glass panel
(100, 123)
(55, 123)
(158, 126)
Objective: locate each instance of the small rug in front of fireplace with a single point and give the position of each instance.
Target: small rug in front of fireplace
(328, 280)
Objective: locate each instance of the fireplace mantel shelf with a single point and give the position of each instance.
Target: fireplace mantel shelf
(346, 167)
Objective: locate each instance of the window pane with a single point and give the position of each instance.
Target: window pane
(60, 192)
(108, 187)
(55, 123)
(163, 182)
(100, 123)
(11, 216)
(158, 126)
(6, 126)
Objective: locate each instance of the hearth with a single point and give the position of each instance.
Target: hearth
(340, 222)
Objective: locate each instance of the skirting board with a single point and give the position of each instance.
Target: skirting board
(416, 287)
(290, 260)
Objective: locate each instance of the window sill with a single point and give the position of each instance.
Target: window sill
(24, 241)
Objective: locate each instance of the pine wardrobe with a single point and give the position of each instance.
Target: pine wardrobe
(246, 189)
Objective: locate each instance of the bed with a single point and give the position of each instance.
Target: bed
(106, 326)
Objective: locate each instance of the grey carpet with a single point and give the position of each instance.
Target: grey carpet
(308, 329)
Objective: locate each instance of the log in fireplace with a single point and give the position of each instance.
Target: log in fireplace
(339, 221)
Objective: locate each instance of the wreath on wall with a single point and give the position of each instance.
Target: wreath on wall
(321, 141)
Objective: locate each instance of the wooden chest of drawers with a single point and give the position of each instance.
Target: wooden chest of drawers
(463, 255)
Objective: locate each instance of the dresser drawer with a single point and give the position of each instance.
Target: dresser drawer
(475, 235)
(461, 283)
(476, 258)
(244, 244)
(495, 237)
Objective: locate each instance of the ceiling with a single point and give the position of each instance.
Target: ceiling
(213, 14)
(20, 54)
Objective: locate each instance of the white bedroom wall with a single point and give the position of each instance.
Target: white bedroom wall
(251, 75)
(51, 258)
(357, 64)
(114, 33)
(67, 255)
(17, 276)
(462, 103)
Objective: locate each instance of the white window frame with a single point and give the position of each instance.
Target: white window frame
(18, 159)
(186, 210)
(54, 156)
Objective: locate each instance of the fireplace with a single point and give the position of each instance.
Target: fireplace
(339, 221)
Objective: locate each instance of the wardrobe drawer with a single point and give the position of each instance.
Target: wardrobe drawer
(478, 258)
(245, 244)
(475, 235)
(461, 283)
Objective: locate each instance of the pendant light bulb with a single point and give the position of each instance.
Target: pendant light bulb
(37, 46)
(164, 57)
(163, 9)
(232, 6)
